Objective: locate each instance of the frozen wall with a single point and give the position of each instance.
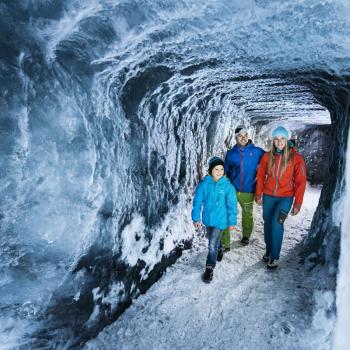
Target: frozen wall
(314, 144)
(323, 242)
(342, 337)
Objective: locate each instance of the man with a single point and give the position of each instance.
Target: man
(241, 165)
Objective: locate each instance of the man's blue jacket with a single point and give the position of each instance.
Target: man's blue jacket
(241, 165)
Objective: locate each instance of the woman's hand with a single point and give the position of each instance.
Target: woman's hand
(197, 224)
(295, 211)
(258, 200)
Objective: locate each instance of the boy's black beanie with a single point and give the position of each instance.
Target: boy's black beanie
(213, 162)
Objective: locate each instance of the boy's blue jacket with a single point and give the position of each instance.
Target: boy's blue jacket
(241, 165)
(219, 201)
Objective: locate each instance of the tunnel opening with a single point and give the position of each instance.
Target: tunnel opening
(315, 118)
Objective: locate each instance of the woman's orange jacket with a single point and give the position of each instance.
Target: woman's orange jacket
(292, 182)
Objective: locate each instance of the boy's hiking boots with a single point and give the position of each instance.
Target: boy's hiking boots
(266, 257)
(272, 264)
(245, 240)
(208, 274)
(220, 254)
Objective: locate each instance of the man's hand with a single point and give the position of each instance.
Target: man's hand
(295, 211)
(197, 224)
(231, 228)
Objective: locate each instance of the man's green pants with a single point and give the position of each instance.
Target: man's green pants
(246, 201)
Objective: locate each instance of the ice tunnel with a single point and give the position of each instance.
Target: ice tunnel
(109, 112)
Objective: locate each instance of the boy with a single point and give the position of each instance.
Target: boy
(218, 198)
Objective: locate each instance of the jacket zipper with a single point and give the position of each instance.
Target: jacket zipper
(278, 168)
(241, 170)
(213, 204)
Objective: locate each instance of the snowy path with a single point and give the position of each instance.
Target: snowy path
(245, 307)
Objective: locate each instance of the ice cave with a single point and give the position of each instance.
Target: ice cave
(109, 112)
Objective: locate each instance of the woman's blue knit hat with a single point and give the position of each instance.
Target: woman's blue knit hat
(280, 131)
(213, 162)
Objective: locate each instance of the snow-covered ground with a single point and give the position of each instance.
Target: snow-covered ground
(245, 307)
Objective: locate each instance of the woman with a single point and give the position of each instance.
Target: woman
(281, 182)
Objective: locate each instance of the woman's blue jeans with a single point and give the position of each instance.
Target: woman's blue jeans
(275, 211)
(214, 235)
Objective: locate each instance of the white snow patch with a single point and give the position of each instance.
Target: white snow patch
(76, 296)
(96, 294)
(114, 295)
(133, 240)
(324, 302)
(175, 228)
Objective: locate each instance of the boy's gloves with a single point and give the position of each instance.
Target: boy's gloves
(197, 224)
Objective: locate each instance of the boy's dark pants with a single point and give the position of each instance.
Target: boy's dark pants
(214, 236)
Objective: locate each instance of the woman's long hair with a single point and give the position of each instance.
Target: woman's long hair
(286, 157)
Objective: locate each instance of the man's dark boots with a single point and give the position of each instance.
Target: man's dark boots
(220, 254)
(245, 240)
